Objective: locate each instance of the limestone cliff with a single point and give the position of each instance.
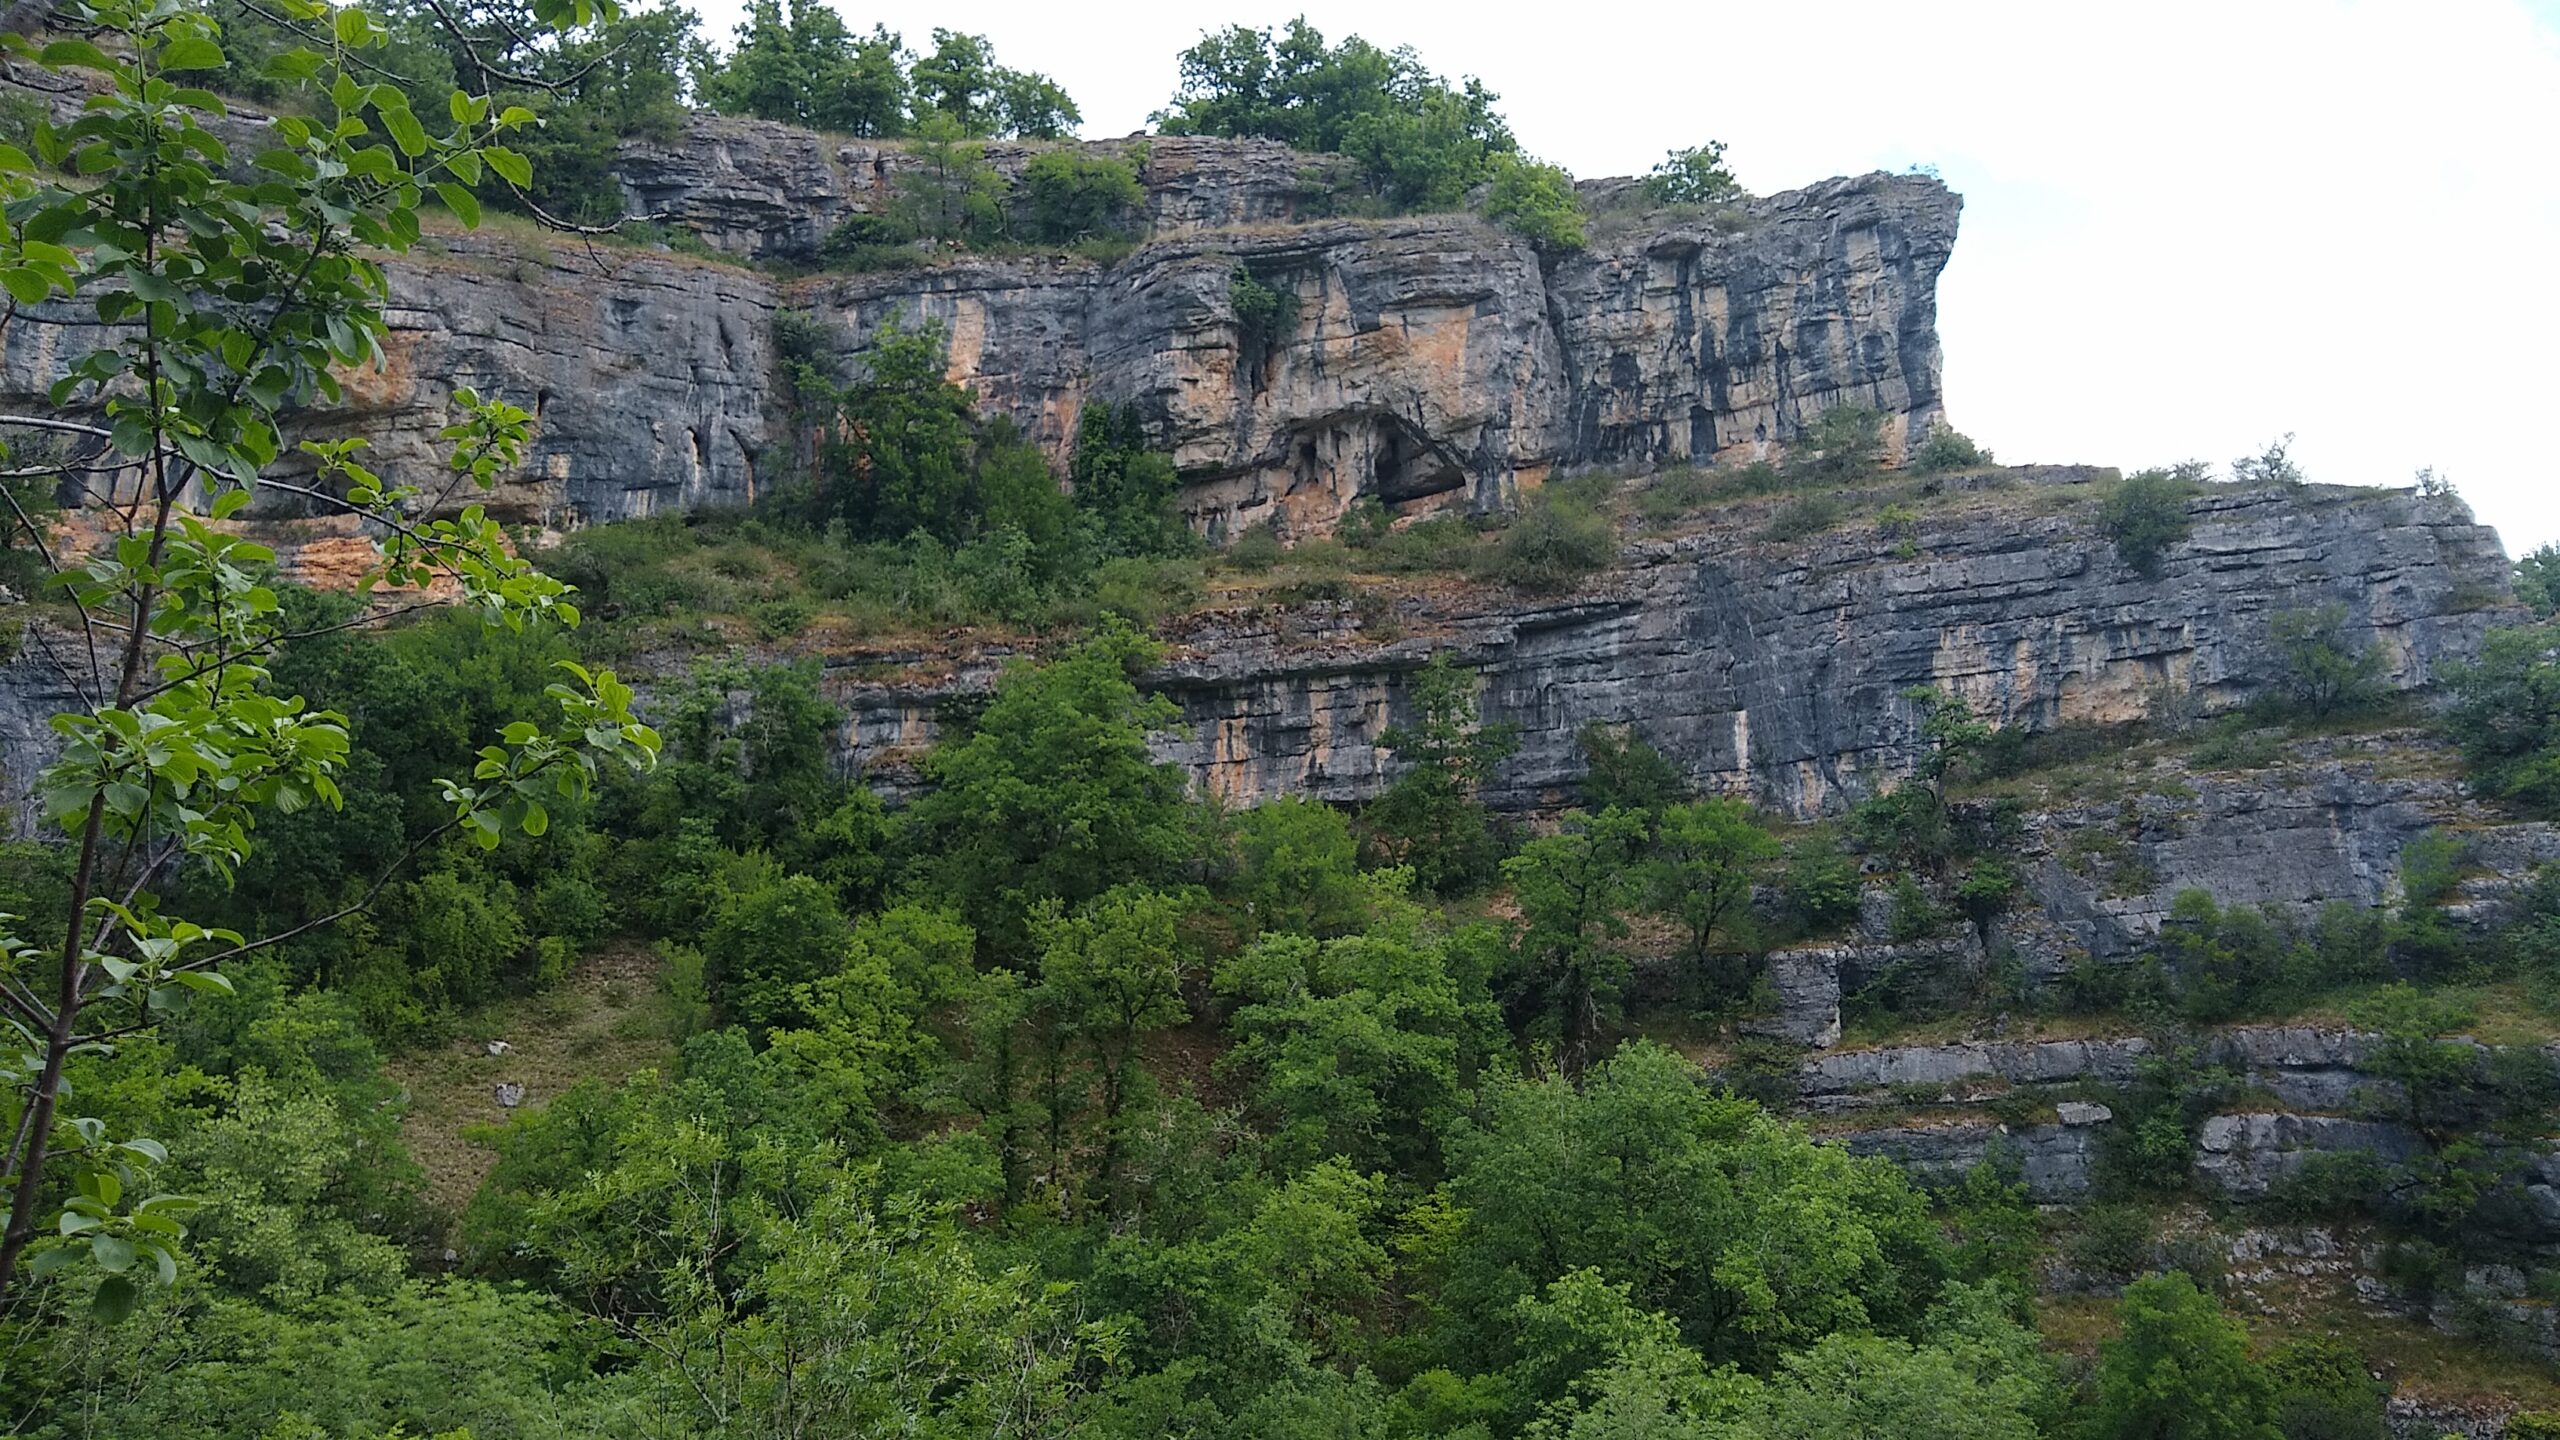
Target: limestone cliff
(1775, 670)
(1437, 359)
(1427, 357)
(1430, 360)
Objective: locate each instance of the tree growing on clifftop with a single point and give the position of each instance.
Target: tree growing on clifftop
(1420, 141)
(2147, 514)
(1694, 176)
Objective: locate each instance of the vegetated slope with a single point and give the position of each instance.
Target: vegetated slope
(1726, 955)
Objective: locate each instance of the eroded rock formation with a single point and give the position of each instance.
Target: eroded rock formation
(1427, 360)
(1777, 670)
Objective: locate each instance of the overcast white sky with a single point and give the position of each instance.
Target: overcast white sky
(2190, 225)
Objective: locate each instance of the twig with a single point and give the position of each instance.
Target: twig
(46, 422)
(272, 641)
(88, 626)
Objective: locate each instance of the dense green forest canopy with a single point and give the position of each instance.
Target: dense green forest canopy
(1059, 1099)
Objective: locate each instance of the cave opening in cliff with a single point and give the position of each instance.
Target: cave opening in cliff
(1405, 465)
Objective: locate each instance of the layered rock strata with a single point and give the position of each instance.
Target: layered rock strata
(1777, 671)
(1424, 361)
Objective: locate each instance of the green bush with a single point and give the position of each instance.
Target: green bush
(2319, 671)
(1440, 544)
(2238, 742)
(1945, 449)
(1265, 315)
(1073, 195)
(2328, 1392)
(1805, 516)
(1673, 494)
(780, 619)
(2272, 466)
(2506, 715)
(1124, 490)
(1914, 915)
(1820, 886)
(1908, 823)
(2145, 515)
(1985, 893)
(1536, 202)
(2538, 581)
(1694, 176)
(1844, 443)
(1419, 141)
(2111, 1244)
(1432, 818)
(1555, 542)
(1144, 591)
(1366, 524)
(1623, 772)
(865, 242)
(1258, 548)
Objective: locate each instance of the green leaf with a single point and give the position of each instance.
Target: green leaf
(353, 28)
(194, 52)
(26, 286)
(73, 52)
(114, 1301)
(46, 1262)
(461, 202)
(405, 130)
(299, 63)
(465, 108)
(512, 167)
(113, 1253)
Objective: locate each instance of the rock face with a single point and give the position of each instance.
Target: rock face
(1438, 360)
(762, 191)
(2055, 1162)
(2244, 1155)
(648, 376)
(1426, 361)
(1777, 671)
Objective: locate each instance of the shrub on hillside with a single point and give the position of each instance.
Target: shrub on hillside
(1556, 541)
(1845, 442)
(2538, 581)
(2506, 714)
(1804, 516)
(1946, 449)
(2319, 670)
(2272, 466)
(1074, 196)
(1692, 176)
(1821, 886)
(1264, 313)
(2146, 515)
(1535, 201)
(1257, 549)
